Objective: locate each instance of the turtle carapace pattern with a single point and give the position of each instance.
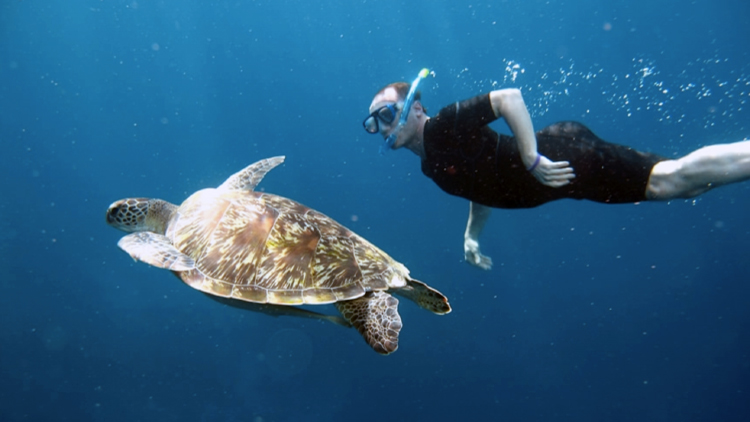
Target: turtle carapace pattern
(264, 252)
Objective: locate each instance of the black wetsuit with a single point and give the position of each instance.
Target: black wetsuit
(468, 159)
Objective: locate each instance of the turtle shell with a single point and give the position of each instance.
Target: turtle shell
(264, 248)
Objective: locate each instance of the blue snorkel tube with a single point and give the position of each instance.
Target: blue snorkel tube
(391, 139)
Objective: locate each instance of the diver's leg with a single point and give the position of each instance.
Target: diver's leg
(700, 171)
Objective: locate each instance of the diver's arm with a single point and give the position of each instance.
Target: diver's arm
(478, 215)
(508, 103)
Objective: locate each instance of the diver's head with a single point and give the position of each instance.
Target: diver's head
(395, 92)
(385, 112)
(401, 89)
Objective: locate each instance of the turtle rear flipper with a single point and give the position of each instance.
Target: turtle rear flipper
(425, 296)
(375, 315)
(155, 249)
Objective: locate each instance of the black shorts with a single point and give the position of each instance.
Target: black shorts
(605, 172)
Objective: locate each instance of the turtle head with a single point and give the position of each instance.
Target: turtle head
(140, 214)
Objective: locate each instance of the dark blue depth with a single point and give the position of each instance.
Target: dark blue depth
(592, 312)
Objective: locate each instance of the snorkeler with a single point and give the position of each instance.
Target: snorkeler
(466, 158)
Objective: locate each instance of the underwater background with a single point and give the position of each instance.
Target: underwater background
(591, 313)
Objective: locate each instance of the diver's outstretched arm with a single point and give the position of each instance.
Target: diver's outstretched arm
(478, 215)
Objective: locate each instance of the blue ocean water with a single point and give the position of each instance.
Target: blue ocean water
(591, 313)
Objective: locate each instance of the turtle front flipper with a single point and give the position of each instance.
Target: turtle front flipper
(249, 177)
(155, 249)
(425, 296)
(375, 315)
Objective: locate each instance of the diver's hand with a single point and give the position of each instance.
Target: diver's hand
(474, 257)
(552, 173)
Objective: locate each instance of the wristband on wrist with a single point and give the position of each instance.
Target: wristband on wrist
(536, 163)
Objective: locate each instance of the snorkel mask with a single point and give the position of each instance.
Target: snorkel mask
(391, 139)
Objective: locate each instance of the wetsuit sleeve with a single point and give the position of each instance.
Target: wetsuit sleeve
(454, 122)
(472, 113)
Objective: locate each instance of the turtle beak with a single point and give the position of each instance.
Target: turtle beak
(112, 213)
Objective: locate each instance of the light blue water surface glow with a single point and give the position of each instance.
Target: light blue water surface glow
(592, 312)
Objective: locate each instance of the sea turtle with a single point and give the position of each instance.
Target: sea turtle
(264, 252)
